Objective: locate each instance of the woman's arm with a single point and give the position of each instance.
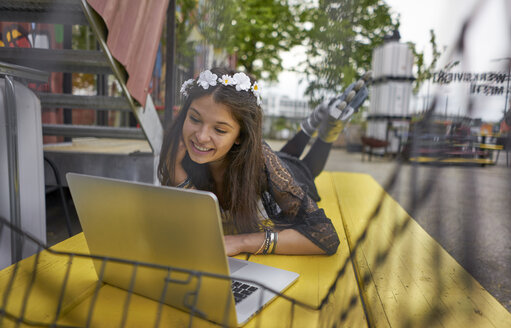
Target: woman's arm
(289, 242)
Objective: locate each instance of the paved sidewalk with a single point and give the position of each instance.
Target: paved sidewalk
(467, 210)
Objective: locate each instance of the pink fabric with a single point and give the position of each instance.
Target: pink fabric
(134, 30)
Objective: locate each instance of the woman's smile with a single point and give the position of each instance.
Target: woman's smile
(201, 149)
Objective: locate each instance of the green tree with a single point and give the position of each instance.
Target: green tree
(425, 71)
(341, 41)
(186, 19)
(216, 22)
(255, 30)
(264, 28)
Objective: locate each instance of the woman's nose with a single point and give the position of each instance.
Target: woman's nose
(203, 135)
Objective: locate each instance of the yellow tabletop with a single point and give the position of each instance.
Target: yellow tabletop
(407, 278)
(387, 272)
(75, 296)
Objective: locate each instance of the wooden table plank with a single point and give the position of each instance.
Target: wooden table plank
(109, 309)
(411, 280)
(41, 302)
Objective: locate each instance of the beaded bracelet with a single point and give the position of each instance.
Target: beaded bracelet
(269, 244)
(266, 243)
(269, 237)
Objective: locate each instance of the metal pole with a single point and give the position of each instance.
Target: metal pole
(13, 167)
(67, 78)
(170, 79)
(507, 88)
(101, 90)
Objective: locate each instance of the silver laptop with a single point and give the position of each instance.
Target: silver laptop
(170, 227)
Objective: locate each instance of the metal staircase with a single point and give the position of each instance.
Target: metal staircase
(139, 166)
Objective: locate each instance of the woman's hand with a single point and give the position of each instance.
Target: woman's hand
(234, 244)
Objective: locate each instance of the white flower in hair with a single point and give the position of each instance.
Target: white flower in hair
(256, 92)
(242, 81)
(227, 80)
(206, 79)
(184, 87)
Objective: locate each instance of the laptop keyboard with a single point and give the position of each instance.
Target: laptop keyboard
(241, 290)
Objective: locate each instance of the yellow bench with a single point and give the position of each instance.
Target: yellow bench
(387, 272)
(491, 147)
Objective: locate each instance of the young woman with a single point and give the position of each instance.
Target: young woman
(267, 199)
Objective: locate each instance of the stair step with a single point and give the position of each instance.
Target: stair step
(23, 72)
(52, 100)
(57, 60)
(76, 131)
(68, 12)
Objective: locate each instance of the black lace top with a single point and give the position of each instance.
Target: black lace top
(289, 205)
(286, 204)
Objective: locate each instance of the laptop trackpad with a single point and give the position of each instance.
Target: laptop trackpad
(235, 264)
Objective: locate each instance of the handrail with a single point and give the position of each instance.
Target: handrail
(23, 72)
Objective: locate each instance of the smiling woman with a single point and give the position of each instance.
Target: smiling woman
(267, 198)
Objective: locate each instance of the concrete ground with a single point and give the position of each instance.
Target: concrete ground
(466, 209)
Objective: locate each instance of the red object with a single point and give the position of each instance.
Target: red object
(134, 29)
(15, 36)
(374, 143)
(504, 127)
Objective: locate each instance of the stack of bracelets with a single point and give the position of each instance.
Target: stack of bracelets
(270, 242)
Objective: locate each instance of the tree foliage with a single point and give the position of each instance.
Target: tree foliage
(264, 28)
(186, 19)
(255, 30)
(424, 71)
(339, 35)
(341, 41)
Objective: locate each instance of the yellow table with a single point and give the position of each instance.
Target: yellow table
(388, 272)
(317, 273)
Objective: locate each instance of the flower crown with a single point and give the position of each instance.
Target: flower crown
(239, 80)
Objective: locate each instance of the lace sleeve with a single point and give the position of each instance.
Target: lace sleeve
(292, 206)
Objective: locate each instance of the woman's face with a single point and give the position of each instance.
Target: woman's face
(209, 131)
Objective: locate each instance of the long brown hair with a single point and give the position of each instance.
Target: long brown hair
(244, 178)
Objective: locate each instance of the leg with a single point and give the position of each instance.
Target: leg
(331, 114)
(312, 122)
(340, 112)
(296, 145)
(317, 156)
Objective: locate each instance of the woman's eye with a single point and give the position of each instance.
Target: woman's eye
(194, 119)
(221, 131)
